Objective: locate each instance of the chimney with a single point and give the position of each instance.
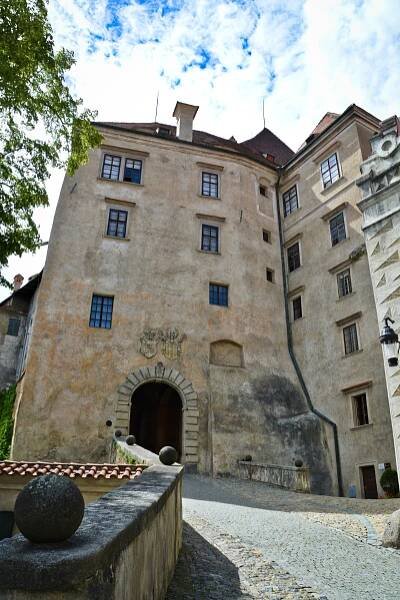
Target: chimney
(184, 114)
(18, 281)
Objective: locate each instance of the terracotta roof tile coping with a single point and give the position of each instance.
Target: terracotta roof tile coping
(72, 470)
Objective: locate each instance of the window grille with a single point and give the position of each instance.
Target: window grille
(350, 339)
(290, 201)
(117, 220)
(338, 229)
(209, 238)
(101, 311)
(209, 185)
(111, 166)
(297, 308)
(330, 170)
(293, 255)
(344, 283)
(218, 294)
(133, 170)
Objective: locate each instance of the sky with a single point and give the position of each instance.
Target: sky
(301, 58)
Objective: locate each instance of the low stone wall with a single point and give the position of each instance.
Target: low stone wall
(291, 478)
(125, 549)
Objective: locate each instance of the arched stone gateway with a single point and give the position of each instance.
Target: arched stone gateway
(174, 379)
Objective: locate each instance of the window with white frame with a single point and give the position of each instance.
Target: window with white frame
(337, 228)
(344, 283)
(330, 170)
(209, 184)
(290, 201)
(210, 238)
(350, 339)
(360, 410)
(293, 257)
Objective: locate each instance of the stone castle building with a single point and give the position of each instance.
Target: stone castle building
(215, 296)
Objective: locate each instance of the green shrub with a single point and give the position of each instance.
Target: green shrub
(7, 399)
(390, 482)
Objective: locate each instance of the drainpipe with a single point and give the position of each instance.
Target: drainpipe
(292, 354)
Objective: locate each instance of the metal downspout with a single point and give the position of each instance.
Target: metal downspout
(292, 354)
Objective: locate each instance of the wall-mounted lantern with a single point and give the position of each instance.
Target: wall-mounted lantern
(390, 341)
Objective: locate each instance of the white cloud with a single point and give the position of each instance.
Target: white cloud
(306, 57)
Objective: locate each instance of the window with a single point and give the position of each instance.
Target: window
(293, 256)
(297, 308)
(270, 275)
(344, 283)
(350, 338)
(209, 184)
(360, 410)
(101, 311)
(209, 238)
(290, 201)
(111, 166)
(338, 228)
(266, 236)
(13, 326)
(263, 190)
(330, 170)
(117, 220)
(218, 294)
(133, 170)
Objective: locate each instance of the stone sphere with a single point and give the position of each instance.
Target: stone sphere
(168, 455)
(118, 433)
(49, 509)
(130, 440)
(298, 463)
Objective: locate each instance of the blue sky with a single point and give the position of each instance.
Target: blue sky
(303, 57)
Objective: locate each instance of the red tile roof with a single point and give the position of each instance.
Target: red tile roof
(72, 470)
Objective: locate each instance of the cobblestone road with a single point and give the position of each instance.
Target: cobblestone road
(246, 540)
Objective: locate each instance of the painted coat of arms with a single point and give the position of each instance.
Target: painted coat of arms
(169, 341)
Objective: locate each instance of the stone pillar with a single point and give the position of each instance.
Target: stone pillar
(380, 205)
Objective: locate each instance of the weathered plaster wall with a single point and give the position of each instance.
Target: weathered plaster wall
(77, 376)
(331, 376)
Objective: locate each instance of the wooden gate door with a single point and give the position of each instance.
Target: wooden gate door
(369, 482)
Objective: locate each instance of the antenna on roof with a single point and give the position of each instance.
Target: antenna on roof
(264, 111)
(155, 118)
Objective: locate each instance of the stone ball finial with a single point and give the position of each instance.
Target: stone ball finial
(118, 433)
(49, 508)
(298, 463)
(168, 455)
(130, 440)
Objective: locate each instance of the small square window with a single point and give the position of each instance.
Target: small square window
(344, 283)
(297, 308)
(209, 184)
(133, 170)
(263, 190)
(111, 166)
(209, 238)
(330, 170)
(270, 274)
(266, 236)
(337, 228)
(293, 256)
(101, 311)
(218, 294)
(350, 338)
(13, 326)
(117, 220)
(290, 201)
(360, 410)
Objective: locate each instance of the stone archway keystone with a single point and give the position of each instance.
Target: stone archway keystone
(190, 409)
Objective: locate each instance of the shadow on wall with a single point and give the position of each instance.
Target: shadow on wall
(300, 432)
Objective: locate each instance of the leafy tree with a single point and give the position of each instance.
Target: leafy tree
(7, 399)
(41, 124)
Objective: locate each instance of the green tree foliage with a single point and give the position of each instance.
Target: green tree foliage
(41, 124)
(7, 399)
(390, 482)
